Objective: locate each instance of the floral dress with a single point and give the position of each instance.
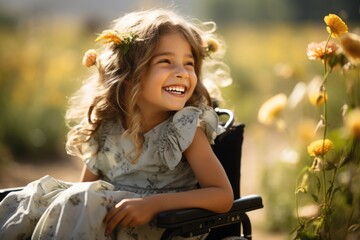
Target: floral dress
(52, 209)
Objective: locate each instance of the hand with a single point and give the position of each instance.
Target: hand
(129, 213)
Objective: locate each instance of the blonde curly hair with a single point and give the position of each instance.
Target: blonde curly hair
(112, 92)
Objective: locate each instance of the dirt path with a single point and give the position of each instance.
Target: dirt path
(15, 174)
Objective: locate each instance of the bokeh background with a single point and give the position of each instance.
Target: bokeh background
(42, 43)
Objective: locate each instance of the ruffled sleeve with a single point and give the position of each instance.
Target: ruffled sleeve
(89, 151)
(179, 133)
(209, 122)
(92, 149)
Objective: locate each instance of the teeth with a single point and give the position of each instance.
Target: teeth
(177, 89)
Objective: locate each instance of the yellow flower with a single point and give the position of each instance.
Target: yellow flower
(351, 46)
(352, 122)
(335, 25)
(320, 147)
(316, 93)
(317, 51)
(317, 98)
(271, 108)
(109, 36)
(89, 58)
(212, 45)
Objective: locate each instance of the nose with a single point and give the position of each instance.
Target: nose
(182, 73)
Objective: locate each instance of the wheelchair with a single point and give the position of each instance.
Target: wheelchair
(234, 224)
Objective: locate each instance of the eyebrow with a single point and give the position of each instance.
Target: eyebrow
(171, 54)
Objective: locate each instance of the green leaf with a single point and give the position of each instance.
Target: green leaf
(316, 198)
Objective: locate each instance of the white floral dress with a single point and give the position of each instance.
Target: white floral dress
(53, 209)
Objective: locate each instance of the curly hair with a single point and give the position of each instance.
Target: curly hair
(112, 92)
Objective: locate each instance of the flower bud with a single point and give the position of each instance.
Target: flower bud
(320, 147)
(89, 58)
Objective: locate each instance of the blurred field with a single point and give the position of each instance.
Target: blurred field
(40, 66)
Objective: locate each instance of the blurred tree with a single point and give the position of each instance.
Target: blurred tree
(311, 9)
(254, 11)
(258, 11)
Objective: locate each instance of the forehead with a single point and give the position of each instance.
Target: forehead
(173, 42)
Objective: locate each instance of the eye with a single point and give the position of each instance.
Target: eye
(190, 63)
(165, 60)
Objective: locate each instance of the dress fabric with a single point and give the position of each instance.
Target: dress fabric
(52, 209)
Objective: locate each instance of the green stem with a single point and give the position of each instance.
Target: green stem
(323, 89)
(324, 224)
(296, 198)
(325, 55)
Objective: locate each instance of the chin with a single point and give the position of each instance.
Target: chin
(176, 107)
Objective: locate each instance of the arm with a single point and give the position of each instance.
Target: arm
(87, 176)
(211, 175)
(215, 193)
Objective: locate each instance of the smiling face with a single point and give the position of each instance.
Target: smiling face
(170, 78)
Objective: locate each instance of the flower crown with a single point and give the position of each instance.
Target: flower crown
(111, 37)
(124, 41)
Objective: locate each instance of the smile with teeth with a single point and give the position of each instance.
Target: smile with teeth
(175, 89)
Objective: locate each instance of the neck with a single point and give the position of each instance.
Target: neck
(153, 119)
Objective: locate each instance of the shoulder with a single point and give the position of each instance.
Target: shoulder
(202, 116)
(201, 113)
(108, 127)
(96, 143)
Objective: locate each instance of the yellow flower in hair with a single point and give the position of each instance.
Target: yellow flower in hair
(335, 25)
(89, 58)
(212, 45)
(320, 147)
(109, 36)
(119, 40)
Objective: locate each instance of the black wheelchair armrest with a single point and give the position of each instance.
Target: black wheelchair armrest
(192, 222)
(6, 191)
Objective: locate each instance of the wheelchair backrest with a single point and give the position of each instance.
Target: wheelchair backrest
(228, 148)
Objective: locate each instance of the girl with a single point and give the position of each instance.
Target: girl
(142, 124)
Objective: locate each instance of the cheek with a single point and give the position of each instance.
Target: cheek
(149, 81)
(193, 79)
